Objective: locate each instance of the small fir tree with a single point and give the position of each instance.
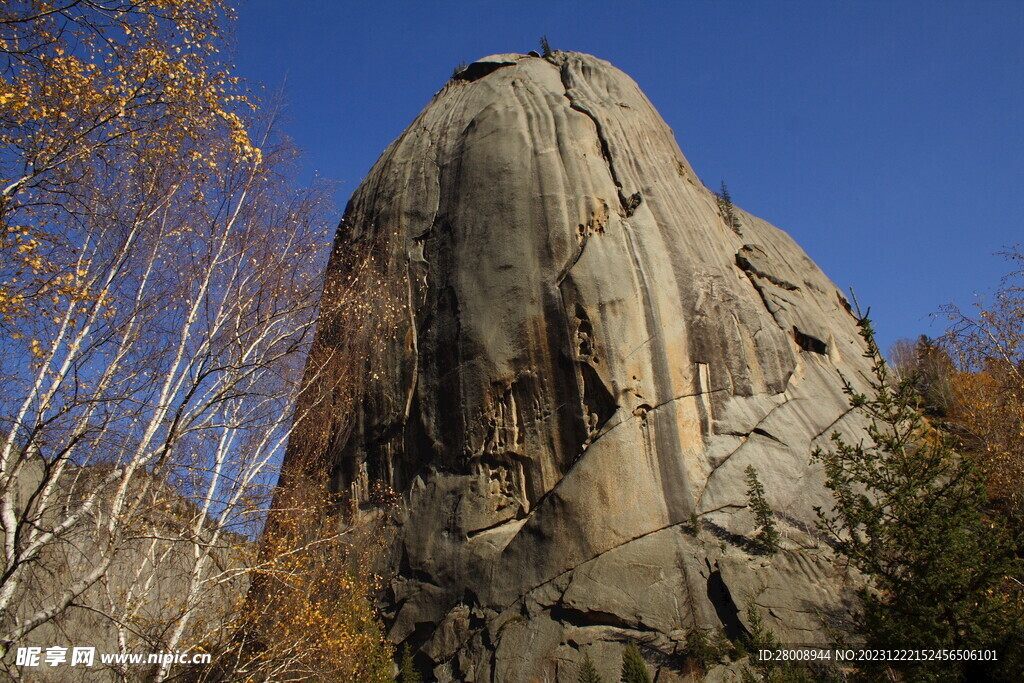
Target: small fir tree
(545, 47)
(726, 208)
(588, 672)
(634, 669)
(407, 672)
(724, 195)
(699, 650)
(759, 637)
(767, 538)
(910, 513)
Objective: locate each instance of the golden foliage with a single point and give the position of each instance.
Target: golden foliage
(159, 278)
(93, 94)
(988, 346)
(990, 410)
(310, 612)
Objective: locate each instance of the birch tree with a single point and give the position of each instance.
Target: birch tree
(159, 285)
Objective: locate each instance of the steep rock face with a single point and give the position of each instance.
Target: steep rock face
(588, 355)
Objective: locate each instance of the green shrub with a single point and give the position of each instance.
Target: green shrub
(588, 672)
(767, 538)
(407, 672)
(634, 669)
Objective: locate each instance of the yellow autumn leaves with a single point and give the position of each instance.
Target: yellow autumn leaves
(84, 87)
(977, 374)
(310, 613)
(159, 276)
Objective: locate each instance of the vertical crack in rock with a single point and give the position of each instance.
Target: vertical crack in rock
(414, 350)
(584, 237)
(598, 403)
(628, 204)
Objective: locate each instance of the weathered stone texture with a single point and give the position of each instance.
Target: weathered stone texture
(589, 359)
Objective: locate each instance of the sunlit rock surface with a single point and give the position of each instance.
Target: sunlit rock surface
(587, 358)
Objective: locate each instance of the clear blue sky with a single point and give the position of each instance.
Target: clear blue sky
(886, 137)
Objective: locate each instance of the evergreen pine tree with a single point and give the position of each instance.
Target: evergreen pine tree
(767, 539)
(407, 672)
(760, 637)
(724, 195)
(545, 47)
(588, 672)
(725, 207)
(910, 514)
(699, 650)
(634, 669)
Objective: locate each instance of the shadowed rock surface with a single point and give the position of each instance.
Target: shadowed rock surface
(587, 358)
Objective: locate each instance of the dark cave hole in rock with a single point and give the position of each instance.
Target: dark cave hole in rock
(597, 400)
(809, 343)
(725, 608)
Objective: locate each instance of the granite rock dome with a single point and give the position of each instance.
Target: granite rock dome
(588, 356)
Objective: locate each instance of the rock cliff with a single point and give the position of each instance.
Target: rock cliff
(589, 351)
